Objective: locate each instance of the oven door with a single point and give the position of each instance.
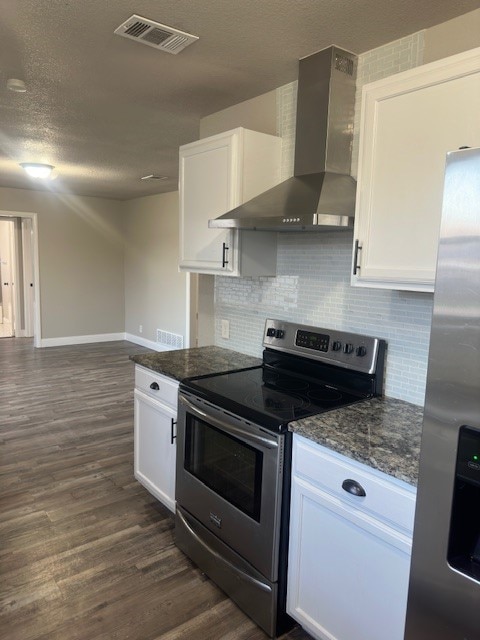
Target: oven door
(230, 478)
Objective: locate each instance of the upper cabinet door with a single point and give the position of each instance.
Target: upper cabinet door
(209, 186)
(409, 122)
(218, 174)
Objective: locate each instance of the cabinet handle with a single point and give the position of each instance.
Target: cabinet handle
(356, 266)
(155, 386)
(353, 487)
(172, 434)
(224, 255)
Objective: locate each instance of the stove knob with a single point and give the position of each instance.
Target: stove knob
(279, 333)
(270, 332)
(336, 346)
(361, 351)
(347, 348)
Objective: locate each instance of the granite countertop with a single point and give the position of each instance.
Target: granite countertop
(382, 433)
(199, 361)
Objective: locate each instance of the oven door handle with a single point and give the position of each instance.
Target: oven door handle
(263, 441)
(241, 573)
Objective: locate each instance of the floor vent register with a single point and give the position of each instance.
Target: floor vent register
(170, 340)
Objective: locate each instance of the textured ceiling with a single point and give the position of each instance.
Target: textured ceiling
(105, 110)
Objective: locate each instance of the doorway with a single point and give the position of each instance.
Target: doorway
(19, 283)
(7, 261)
(200, 310)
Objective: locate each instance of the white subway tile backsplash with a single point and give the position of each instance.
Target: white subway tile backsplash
(312, 285)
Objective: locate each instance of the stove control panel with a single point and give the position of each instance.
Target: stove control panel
(312, 340)
(339, 348)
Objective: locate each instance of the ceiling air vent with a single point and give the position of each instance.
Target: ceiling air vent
(155, 34)
(344, 64)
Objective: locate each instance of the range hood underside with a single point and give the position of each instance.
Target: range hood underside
(326, 202)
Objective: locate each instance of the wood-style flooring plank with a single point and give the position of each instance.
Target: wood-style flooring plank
(86, 553)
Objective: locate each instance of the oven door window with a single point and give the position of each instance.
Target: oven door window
(225, 464)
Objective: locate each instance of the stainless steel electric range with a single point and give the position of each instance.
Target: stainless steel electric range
(234, 455)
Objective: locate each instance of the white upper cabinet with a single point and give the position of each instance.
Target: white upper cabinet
(409, 122)
(216, 175)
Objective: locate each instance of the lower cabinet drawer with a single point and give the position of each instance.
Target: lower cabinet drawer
(387, 499)
(156, 386)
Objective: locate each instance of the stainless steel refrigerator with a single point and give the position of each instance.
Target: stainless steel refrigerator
(444, 592)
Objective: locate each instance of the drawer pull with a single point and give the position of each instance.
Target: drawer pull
(155, 386)
(354, 487)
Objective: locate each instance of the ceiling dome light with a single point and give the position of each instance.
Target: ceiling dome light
(36, 170)
(14, 84)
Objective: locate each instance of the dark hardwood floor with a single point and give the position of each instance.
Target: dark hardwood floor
(86, 553)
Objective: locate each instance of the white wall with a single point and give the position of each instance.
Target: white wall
(257, 114)
(155, 290)
(80, 261)
(106, 266)
(454, 36)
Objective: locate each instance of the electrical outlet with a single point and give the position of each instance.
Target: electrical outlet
(140, 328)
(225, 329)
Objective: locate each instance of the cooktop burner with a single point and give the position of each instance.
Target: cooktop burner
(306, 371)
(268, 397)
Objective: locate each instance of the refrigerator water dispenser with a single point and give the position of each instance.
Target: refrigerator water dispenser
(464, 539)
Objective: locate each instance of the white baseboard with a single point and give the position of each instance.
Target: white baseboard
(101, 337)
(150, 344)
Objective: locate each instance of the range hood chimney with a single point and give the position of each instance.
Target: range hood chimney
(321, 195)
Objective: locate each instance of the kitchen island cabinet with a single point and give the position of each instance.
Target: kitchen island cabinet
(350, 544)
(218, 174)
(409, 122)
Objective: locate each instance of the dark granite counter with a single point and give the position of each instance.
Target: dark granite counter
(383, 433)
(199, 361)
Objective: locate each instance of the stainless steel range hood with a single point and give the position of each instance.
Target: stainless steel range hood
(321, 195)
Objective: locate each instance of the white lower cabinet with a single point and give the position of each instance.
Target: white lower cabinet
(154, 434)
(349, 556)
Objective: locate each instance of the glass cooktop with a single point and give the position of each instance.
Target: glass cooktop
(268, 397)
